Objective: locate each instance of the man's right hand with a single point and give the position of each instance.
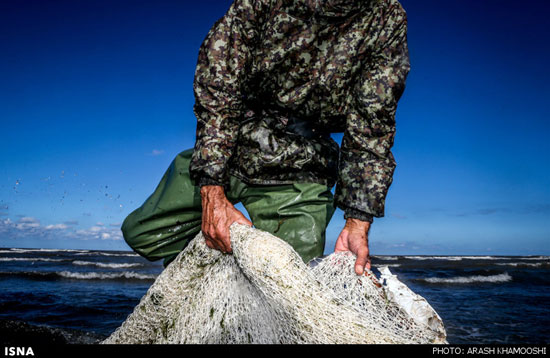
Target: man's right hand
(217, 216)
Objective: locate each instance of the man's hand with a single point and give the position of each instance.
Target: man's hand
(217, 216)
(354, 238)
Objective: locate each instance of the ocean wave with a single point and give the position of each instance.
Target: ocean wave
(126, 275)
(386, 258)
(534, 258)
(105, 276)
(391, 265)
(459, 258)
(7, 259)
(420, 258)
(482, 258)
(524, 264)
(15, 250)
(130, 254)
(503, 277)
(75, 251)
(106, 265)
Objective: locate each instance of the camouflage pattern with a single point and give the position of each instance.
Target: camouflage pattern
(341, 65)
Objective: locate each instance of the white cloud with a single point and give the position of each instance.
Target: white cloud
(56, 226)
(99, 232)
(29, 227)
(27, 222)
(157, 152)
(28, 219)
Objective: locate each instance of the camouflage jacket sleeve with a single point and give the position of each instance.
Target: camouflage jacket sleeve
(221, 67)
(366, 162)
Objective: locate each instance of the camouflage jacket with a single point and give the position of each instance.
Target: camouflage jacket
(336, 65)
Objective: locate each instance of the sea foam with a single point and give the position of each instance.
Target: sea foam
(105, 276)
(7, 259)
(105, 265)
(503, 277)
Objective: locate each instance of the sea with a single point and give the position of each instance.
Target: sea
(481, 299)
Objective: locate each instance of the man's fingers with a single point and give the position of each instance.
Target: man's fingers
(218, 239)
(218, 245)
(239, 217)
(227, 245)
(243, 221)
(212, 244)
(368, 263)
(212, 240)
(224, 241)
(367, 254)
(361, 262)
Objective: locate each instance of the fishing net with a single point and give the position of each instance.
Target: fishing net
(264, 293)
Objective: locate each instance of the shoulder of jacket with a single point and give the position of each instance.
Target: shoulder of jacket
(393, 8)
(256, 7)
(255, 3)
(389, 12)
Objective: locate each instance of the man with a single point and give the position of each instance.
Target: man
(274, 78)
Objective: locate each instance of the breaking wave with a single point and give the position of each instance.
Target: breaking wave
(7, 259)
(503, 277)
(16, 250)
(386, 258)
(105, 276)
(105, 265)
(450, 258)
(391, 265)
(535, 258)
(129, 254)
(524, 264)
(126, 275)
(455, 258)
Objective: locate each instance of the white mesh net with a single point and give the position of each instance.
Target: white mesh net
(264, 293)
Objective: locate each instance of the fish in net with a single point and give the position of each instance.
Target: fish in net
(265, 293)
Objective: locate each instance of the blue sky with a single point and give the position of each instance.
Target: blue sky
(96, 100)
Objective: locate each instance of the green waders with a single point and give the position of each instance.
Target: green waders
(163, 226)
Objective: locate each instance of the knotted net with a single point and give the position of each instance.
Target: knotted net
(264, 293)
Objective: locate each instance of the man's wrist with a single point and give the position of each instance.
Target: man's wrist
(212, 192)
(358, 224)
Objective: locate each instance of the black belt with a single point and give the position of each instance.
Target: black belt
(305, 128)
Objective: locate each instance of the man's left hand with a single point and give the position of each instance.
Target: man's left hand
(354, 238)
